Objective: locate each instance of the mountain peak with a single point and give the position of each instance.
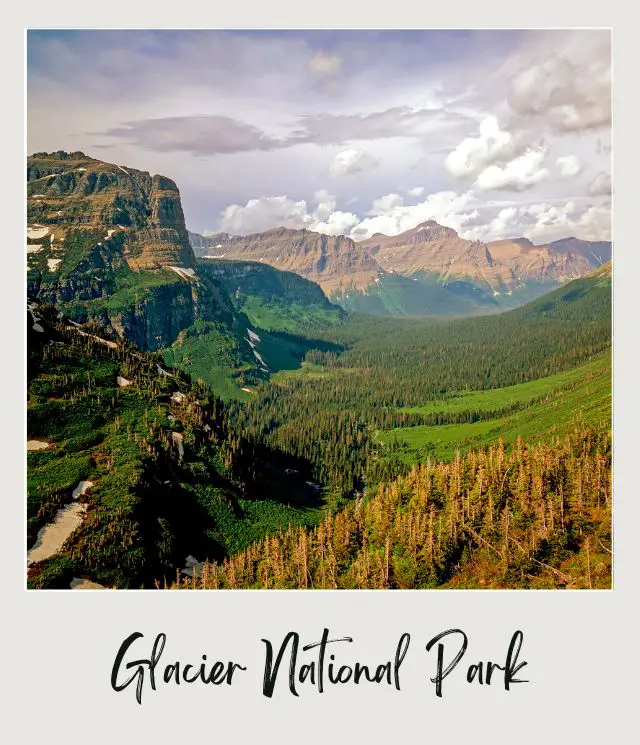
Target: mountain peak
(433, 231)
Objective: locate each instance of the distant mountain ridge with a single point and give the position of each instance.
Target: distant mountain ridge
(431, 254)
(336, 263)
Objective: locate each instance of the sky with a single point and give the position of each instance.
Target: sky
(497, 134)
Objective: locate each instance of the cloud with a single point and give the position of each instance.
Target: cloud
(472, 218)
(352, 161)
(263, 214)
(386, 204)
(519, 174)
(569, 166)
(338, 223)
(271, 212)
(398, 121)
(390, 215)
(568, 96)
(417, 191)
(325, 64)
(600, 186)
(545, 222)
(326, 204)
(200, 135)
(214, 134)
(493, 145)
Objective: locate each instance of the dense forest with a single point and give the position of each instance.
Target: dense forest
(535, 516)
(329, 412)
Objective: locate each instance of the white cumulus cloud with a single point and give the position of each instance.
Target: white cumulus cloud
(262, 214)
(545, 222)
(352, 161)
(474, 154)
(518, 174)
(258, 215)
(390, 215)
(569, 166)
(417, 191)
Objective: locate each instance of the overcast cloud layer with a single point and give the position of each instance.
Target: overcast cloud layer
(494, 133)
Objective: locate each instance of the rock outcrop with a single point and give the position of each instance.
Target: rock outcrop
(109, 244)
(68, 191)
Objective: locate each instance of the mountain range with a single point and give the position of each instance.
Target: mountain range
(454, 275)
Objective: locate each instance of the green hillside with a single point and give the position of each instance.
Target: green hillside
(424, 294)
(272, 299)
(168, 478)
(548, 406)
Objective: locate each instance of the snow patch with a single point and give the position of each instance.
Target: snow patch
(52, 537)
(123, 170)
(259, 358)
(122, 382)
(177, 397)
(36, 445)
(53, 264)
(252, 335)
(81, 489)
(35, 325)
(34, 248)
(247, 390)
(162, 371)
(85, 584)
(110, 344)
(36, 231)
(184, 273)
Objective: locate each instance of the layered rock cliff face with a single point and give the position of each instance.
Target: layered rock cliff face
(109, 243)
(71, 190)
(334, 262)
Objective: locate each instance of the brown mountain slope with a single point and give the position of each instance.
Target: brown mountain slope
(502, 264)
(433, 248)
(336, 263)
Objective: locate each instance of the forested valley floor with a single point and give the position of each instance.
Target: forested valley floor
(402, 453)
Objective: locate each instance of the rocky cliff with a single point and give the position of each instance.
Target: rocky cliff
(109, 243)
(335, 262)
(67, 191)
